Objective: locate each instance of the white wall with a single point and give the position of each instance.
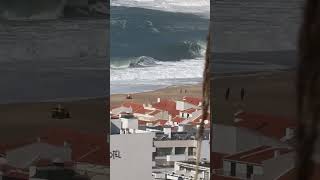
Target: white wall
(224, 139)
(274, 167)
(248, 139)
(230, 139)
(129, 123)
(205, 149)
(136, 156)
(181, 105)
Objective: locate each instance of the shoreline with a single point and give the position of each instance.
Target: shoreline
(216, 76)
(274, 89)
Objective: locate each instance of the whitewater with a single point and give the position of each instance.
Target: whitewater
(200, 7)
(155, 44)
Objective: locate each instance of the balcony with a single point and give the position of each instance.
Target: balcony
(179, 157)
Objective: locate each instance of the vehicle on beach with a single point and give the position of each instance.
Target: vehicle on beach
(60, 113)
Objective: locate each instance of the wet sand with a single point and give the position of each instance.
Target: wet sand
(269, 94)
(172, 92)
(19, 121)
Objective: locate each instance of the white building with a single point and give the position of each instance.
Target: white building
(260, 163)
(179, 146)
(130, 150)
(186, 170)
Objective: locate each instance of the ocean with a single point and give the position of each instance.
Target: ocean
(159, 43)
(156, 44)
(44, 57)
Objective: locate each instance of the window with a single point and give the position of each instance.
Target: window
(180, 150)
(233, 169)
(191, 151)
(249, 171)
(164, 151)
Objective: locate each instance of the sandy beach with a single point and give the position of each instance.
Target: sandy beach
(19, 121)
(270, 93)
(172, 92)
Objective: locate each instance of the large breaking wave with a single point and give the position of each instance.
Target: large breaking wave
(152, 48)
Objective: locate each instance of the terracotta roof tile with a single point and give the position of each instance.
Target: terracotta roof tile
(267, 125)
(154, 112)
(257, 155)
(160, 122)
(292, 174)
(177, 119)
(189, 111)
(192, 100)
(135, 106)
(217, 159)
(86, 147)
(167, 105)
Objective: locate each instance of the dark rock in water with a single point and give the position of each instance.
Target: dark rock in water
(143, 61)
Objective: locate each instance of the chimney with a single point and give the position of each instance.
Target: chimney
(180, 128)
(158, 100)
(289, 133)
(65, 144)
(167, 131)
(276, 153)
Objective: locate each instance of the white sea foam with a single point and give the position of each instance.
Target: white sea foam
(132, 80)
(163, 71)
(200, 7)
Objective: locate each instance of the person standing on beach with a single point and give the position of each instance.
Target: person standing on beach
(242, 93)
(227, 94)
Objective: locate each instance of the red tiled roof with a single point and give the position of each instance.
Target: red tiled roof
(48, 162)
(257, 155)
(217, 159)
(197, 120)
(189, 111)
(86, 147)
(154, 112)
(292, 174)
(135, 106)
(142, 111)
(7, 147)
(160, 122)
(192, 100)
(114, 107)
(17, 175)
(114, 117)
(267, 125)
(81, 144)
(177, 119)
(167, 105)
(142, 122)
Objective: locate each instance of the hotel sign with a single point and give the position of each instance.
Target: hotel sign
(115, 154)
